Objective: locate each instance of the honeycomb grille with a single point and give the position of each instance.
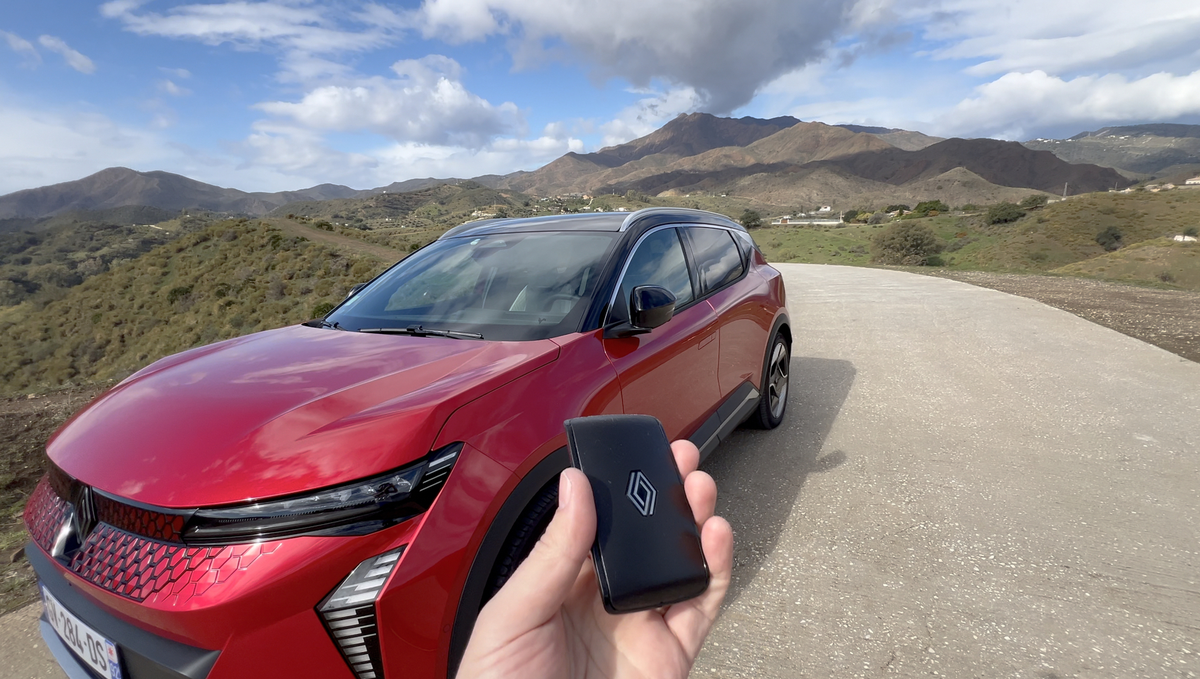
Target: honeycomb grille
(153, 571)
(44, 514)
(135, 552)
(140, 521)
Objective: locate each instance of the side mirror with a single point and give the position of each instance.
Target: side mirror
(649, 307)
(355, 290)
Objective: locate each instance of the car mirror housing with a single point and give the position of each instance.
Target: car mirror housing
(649, 307)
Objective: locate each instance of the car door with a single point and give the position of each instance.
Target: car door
(670, 372)
(737, 301)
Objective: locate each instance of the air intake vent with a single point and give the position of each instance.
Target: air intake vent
(350, 618)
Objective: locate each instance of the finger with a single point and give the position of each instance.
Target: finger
(687, 457)
(538, 587)
(692, 620)
(701, 494)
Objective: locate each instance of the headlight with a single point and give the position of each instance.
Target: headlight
(356, 508)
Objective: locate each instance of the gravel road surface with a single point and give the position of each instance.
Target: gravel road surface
(967, 484)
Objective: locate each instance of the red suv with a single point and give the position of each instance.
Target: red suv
(339, 498)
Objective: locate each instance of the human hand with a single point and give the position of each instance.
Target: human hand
(548, 620)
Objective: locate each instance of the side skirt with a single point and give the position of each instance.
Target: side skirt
(733, 411)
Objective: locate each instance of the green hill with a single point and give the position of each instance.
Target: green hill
(230, 279)
(1158, 259)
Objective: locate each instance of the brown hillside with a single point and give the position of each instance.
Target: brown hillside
(119, 187)
(695, 133)
(801, 143)
(685, 136)
(998, 162)
(819, 185)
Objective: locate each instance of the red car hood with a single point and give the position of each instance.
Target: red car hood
(280, 412)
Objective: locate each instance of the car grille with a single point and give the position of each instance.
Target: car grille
(133, 551)
(45, 514)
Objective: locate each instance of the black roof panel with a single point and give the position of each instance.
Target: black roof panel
(591, 221)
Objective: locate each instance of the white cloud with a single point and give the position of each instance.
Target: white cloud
(295, 25)
(22, 47)
(44, 147)
(426, 104)
(74, 59)
(296, 151)
(1016, 104)
(725, 51)
(172, 89)
(180, 73)
(1063, 37)
(649, 114)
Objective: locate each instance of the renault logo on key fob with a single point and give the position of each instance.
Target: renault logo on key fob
(641, 493)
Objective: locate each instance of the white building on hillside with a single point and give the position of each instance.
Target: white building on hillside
(1194, 181)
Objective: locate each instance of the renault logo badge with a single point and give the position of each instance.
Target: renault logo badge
(641, 493)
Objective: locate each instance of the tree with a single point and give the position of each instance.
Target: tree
(900, 207)
(929, 208)
(1110, 238)
(905, 243)
(751, 219)
(1191, 231)
(1003, 213)
(1035, 200)
(849, 215)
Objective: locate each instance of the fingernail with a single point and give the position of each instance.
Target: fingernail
(564, 490)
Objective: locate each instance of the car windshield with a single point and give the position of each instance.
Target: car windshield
(511, 286)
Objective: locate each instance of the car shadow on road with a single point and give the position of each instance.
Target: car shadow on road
(760, 474)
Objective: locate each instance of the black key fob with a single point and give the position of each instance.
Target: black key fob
(647, 551)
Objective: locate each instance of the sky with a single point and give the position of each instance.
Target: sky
(271, 95)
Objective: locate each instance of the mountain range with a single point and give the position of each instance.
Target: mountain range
(774, 162)
(1161, 150)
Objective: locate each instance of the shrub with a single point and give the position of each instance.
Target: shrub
(322, 309)
(1110, 238)
(849, 215)
(877, 218)
(905, 243)
(751, 219)
(1034, 201)
(1191, 231)
(934, 260)
(1004, 213)
(897, 208)
(176, 294)
(1166, 276)
(969, 207)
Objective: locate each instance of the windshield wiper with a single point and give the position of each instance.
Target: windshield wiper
(422, 331)
(322, 323)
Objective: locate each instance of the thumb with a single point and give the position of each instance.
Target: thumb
(537, 589)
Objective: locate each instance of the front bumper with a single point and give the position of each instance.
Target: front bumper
(144, 655)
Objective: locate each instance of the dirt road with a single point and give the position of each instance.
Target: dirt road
(967, 484)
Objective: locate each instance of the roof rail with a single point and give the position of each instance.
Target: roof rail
(668, 215)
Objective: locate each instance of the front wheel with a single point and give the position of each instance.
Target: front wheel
(773, 402)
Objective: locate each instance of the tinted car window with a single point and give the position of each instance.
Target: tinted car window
(514, 286)
(659, 261)
(718, 259)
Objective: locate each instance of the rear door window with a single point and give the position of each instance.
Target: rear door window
(718, 259)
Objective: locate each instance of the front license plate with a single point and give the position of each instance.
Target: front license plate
(94, 650)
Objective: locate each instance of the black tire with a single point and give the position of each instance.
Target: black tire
(521, 540)
(772, 405)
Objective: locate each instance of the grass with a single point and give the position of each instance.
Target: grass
(1059, 238)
